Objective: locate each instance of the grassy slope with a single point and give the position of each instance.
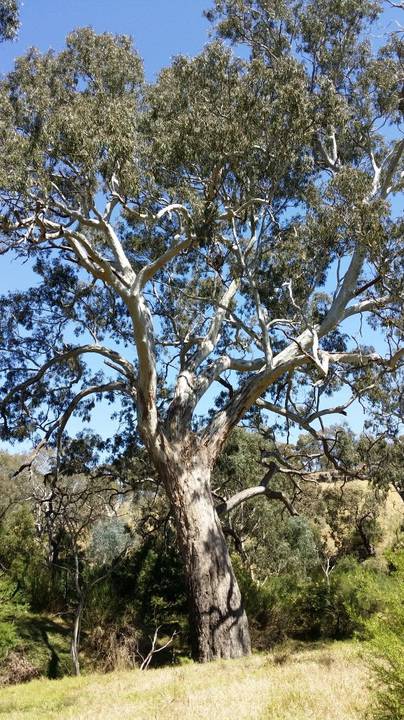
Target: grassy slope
(322, 682)
(44, 641)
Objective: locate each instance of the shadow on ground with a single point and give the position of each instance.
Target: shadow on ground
(46, 643)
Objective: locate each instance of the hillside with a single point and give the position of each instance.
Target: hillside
(324, 681)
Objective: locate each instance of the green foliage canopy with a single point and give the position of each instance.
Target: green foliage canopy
(233, 187)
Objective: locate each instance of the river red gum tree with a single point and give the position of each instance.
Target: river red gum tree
(185, 231)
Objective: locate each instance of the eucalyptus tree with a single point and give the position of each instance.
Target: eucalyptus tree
(204, 237)
(9, 19)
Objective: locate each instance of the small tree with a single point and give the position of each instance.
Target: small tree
(78, 515)
(216, 227)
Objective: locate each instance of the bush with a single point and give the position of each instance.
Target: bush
(307, 607)
(387, 642)
(11, 606)
(18, 669)
(22, 555)
(356, 592)
(143, 592)
(114, 647)
(8, 639)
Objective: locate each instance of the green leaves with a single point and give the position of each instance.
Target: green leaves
(74, 114)
(270, 171)
(219, 113)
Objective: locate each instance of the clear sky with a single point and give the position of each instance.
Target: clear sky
(160, 29)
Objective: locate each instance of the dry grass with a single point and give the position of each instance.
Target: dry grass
(325, 682)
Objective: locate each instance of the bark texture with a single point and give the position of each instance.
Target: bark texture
(219, 625)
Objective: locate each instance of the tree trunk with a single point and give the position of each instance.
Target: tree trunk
(219, 626)
(75, 641)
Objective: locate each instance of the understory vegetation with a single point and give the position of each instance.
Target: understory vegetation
(105, 555)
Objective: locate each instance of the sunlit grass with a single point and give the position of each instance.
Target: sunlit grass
(324, 682)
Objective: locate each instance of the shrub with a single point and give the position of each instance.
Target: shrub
(143, 592)
(18, 669)
(11, 606)
(8, 639)
(113, 647)
(356, 592)
(307, 607)
(387, 642)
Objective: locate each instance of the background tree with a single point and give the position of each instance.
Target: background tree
(213, 229)
(346, 513)
(9, 19)
(86, 537)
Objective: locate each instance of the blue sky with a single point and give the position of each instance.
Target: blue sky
(161, 29)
